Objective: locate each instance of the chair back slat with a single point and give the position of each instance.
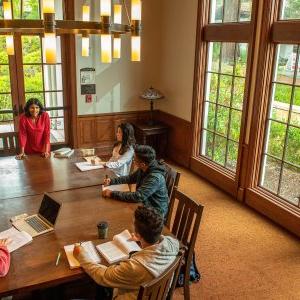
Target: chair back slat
(185, 228)
(159, 288)
(10, 143)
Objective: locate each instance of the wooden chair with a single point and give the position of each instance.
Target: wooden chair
(160, 288)
(185, 228)
(10, 143)
(172, 180)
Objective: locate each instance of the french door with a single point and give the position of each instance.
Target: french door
(25, 75)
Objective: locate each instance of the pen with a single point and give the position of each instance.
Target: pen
(57, 259)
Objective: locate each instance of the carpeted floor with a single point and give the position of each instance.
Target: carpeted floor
(241, 254)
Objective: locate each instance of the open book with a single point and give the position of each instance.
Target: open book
(119, 248)
(63, 152)
(86, 166)
(89, 247)
(18, 238)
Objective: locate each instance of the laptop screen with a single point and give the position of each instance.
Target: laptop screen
(49, 209)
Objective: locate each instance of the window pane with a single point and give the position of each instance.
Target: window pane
(238, 92)
(216, 11)
(209, 121)
(7, 126)
(31, 48)
(295, 115)
(57, 133)
(276, 139)
(232, 155)
(225, 90)
(245, 10)
(220, 150)
(227, 60)
(290, 187)
(292, 154)
(17, 9)
(222, 120)
(282, 93)
(52, 77)
(39, 96)
(56, 113)
(241, 55)
(290, 9)
(212, 87)
(230, 11)
(33, 78)
(285, 63)
(271, 174)
(31, 9)
(208, 142)
(54, 99)
(5, 103)
(214, 59)
(4, 79)
(3, 53)
(235, 125)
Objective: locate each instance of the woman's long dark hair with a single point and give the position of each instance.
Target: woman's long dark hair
(34, 101)
(127, 137)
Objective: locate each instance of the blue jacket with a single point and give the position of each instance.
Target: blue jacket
(151, 189)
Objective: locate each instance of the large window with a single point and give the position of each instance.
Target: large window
(281, 158)
(225, 87)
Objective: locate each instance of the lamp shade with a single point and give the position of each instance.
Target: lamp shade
(152, 94)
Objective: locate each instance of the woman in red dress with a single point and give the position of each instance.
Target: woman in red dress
(34, 130)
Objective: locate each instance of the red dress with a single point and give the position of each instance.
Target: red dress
(4, 261)
(35, 137)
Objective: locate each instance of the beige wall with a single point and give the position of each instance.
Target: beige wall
(179, 20)
(119, 84)
(168, 43)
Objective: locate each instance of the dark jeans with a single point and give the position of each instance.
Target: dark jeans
(104, 293)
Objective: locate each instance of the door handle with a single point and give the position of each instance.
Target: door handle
(15, 111)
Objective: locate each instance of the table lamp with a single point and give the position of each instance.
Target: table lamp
(151, 94)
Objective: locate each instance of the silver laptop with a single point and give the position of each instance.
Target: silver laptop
(43, 221)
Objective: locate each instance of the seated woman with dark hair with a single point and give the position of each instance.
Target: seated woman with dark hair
(122, 154)
(34, 130)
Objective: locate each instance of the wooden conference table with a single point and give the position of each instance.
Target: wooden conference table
(35, 175)
(33, 266)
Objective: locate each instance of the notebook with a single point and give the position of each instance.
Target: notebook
(119, 248)
(116, 187)
(89, 247)
(85, 166)
(18, 238)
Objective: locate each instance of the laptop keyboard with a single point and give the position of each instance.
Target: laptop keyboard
(37, 224)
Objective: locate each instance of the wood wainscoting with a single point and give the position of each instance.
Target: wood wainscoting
(179, 139)
(100, 130)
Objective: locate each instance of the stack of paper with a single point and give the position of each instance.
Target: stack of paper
(63, 153)
(17, 238)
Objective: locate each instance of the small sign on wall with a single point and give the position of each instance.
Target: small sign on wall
(87, 81)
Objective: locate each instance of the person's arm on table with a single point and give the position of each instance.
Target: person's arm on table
(46, 137)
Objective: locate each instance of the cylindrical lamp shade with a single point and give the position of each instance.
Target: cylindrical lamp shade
(117, 47)
(118, 14)
(50, 48)
(10, 45)
(85, 46)
(136, 10)
(7, 10)
(85, 13)
(105, 7)
(106, 56)
(135, 48)
(48, 7)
